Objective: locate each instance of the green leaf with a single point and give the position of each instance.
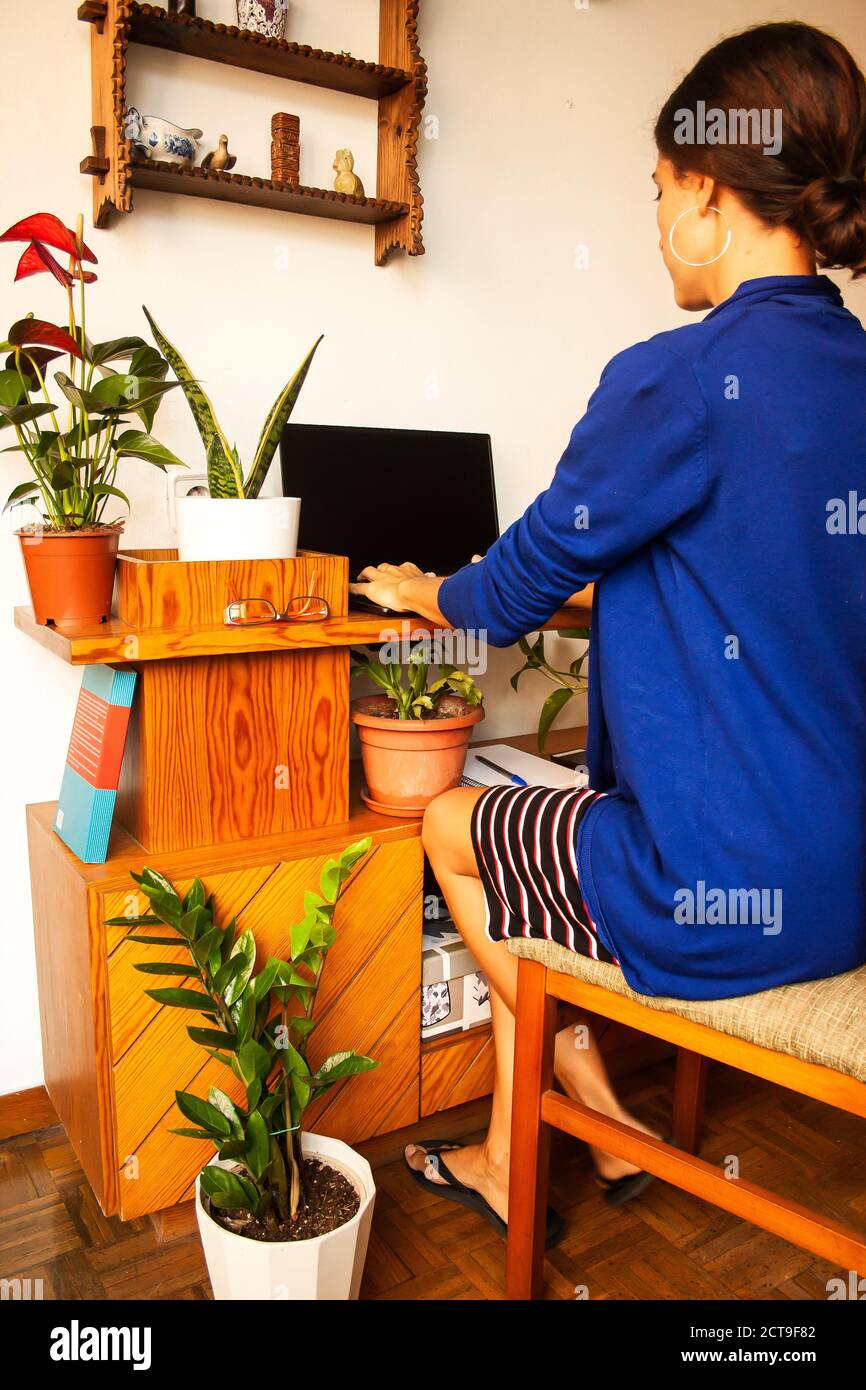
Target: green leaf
(339, 1065)
(19, 493)
(99, 353)
(253, 1062)
(138, 444)
(549, 710)
(202, 410)
(228, 1190)
(226, 973)
(223, 479)
(202, 1113)
(266, 978)
(275, 424)
(245, 947)
(195, 896)
(226, 1106)
(182, 999)
(258, 1145)
(211, 1037)
(148, 940)
(163, 969)
(300, 936)
(11, 390)
(581, 634)
(193, 1133)
(22, 414)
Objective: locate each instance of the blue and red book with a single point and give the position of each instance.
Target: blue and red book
(88, 792)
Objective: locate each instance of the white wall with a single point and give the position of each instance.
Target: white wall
(545, 112)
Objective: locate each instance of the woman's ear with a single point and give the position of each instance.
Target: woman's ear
(705, 191)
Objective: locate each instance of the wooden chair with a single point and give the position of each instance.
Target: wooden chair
(810, 1038)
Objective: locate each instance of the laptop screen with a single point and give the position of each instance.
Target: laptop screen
(386, 496)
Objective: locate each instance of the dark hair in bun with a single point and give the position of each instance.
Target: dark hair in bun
(804, 85)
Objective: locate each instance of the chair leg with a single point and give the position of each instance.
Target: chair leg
(534, 1036)
(690, 1086)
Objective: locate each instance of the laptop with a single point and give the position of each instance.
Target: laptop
(384, 496)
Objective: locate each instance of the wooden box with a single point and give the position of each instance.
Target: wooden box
(156, 589)
(237, 744)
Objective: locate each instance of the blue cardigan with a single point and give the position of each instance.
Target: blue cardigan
(716, 487)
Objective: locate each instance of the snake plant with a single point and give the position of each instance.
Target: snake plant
(224, 469)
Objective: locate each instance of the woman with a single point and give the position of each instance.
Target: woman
(713, 489)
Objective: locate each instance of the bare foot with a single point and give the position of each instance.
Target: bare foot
(472, 1166)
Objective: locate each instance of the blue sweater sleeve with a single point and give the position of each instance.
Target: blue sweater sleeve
(635, 465)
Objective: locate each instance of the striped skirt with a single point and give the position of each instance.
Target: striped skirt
(525, 842)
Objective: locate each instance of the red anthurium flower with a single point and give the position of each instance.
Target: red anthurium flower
(36, 259)
(42, 334)
(78, 272)
(44, 226)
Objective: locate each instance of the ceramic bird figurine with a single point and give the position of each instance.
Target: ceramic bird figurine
(347, 180)
(220, 159)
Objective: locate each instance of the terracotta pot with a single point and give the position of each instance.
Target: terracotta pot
(409, 761)
(70, 573)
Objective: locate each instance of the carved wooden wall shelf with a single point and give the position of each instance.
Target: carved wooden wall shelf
(397, 82)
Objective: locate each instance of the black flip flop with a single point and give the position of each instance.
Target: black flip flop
(456, 1191)
(617, 1191)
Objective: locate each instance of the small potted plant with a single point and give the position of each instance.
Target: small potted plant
(71, 552)
(414, 737)
(568, 683)
(282, 1213)
(234, 522)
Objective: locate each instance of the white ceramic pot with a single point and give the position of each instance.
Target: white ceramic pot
(237, 528)
(321, 1268)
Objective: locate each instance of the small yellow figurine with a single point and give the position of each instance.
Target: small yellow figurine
(220, 158)
(347, 180)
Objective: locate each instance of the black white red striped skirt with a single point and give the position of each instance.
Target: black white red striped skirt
(525, 841)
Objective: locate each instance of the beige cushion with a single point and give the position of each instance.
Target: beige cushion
(823, 1021)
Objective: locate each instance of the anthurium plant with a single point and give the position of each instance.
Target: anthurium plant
(568, 683)
(412, 688)
(108, 412)
(258, 1024)
(226, 476)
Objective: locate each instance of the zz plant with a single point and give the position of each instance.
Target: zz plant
(258, 1025)
(225, 472)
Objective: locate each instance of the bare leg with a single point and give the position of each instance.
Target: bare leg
(580, 1070)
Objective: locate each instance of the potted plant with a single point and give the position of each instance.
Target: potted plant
(414, 737)
(568, 683)
(70, 554)
(282, 1213)
(235, 523)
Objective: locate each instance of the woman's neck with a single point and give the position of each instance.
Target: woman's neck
(752, 256)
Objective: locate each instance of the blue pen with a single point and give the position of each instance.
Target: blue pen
(503, 771)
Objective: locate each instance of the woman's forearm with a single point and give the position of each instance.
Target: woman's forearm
(582, 598)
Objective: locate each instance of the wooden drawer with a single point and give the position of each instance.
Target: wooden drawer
(456, 1068)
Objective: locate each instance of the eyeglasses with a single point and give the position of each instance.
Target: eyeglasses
(253, 612)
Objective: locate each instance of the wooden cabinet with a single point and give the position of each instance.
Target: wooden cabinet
(114, 1057)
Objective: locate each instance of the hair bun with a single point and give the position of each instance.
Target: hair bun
(833, 219)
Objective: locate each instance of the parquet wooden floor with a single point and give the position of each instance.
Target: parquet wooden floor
(665, 1245)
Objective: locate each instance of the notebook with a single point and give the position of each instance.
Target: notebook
(535, 771)
(85, 807)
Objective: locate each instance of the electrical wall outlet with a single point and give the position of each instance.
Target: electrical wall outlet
(185, 485)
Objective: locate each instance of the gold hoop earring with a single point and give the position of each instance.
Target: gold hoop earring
(699, 264)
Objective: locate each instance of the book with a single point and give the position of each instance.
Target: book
(85, 807)
(535, 771)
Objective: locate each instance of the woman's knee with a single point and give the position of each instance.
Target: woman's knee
(447, 830)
